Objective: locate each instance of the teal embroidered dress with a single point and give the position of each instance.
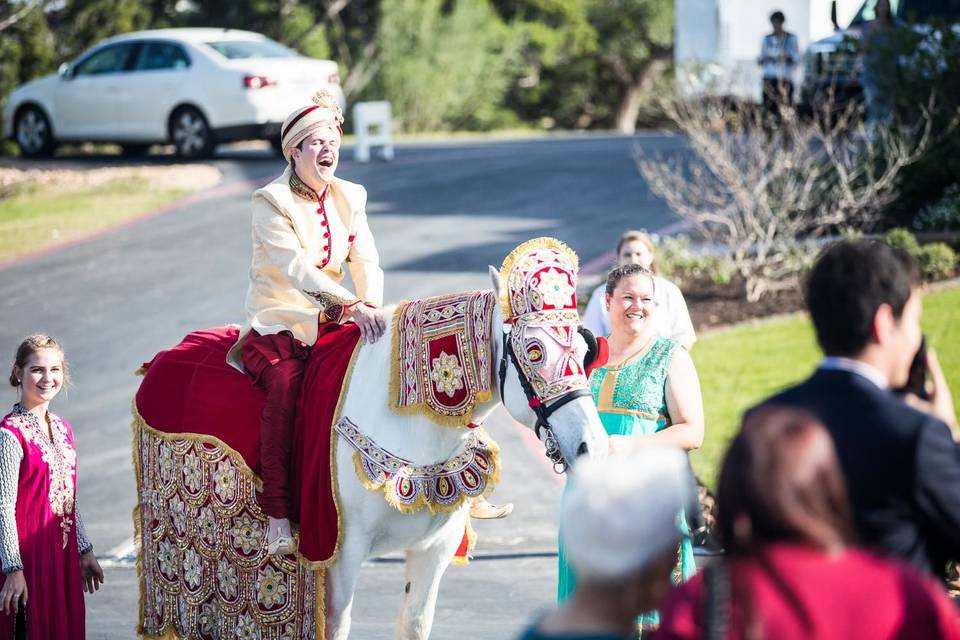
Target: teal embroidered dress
(632, 400)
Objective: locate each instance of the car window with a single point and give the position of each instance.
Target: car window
(162, 55)
(237, 49)
(112, 59)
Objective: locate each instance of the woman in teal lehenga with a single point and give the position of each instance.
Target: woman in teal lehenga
(647, 393)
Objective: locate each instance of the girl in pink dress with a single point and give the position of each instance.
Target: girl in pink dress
(47, 559)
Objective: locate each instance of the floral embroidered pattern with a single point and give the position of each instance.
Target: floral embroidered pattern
(205, 572)
(442, 361)
(442, 486)
(556, 290)
(447, 373)
(58, 453)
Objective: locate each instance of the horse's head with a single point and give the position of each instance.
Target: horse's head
(542, 350)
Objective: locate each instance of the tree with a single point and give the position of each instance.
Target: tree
(761, 196)
(635, 43)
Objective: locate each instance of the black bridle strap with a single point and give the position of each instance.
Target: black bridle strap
(543, 412)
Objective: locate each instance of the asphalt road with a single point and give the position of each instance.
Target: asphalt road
(440, 213)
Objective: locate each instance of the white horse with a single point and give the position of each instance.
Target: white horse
(535, 360)
(374, 527)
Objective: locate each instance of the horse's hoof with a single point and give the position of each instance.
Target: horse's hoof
(483, 510)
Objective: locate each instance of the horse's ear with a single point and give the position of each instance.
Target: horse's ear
(495, 280)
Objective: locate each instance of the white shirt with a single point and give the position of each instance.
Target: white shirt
(779, 56)
(862, 369)
(671, 317)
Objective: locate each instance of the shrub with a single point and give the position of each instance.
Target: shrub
(943, 215)
(903, 239)
(937, 261)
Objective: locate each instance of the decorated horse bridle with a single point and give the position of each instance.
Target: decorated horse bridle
(542, 428)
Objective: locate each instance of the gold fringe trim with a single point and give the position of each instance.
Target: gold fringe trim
(390, 494)
(320, 608)
(421, 409)
(462, 561)
(511, 259)
(323, 564)
(233, 454)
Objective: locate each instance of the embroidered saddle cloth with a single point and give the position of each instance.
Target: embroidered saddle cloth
(442, 361)
(205, 572)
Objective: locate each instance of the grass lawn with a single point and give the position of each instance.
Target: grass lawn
(35, 217)
(741, 366)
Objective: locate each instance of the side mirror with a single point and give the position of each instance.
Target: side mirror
(64, 71)
(833, 15)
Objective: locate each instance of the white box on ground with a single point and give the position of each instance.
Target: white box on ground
(371, 123)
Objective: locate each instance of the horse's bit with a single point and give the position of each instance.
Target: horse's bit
(542, 411)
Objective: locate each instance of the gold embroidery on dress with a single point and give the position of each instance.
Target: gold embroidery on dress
(60, 457)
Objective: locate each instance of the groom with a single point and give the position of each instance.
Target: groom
(901, 464)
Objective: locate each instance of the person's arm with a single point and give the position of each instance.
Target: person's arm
(684, 405)
(793, 50)
(84, 546)
(90, 571)
(11, 453)
(937, 484)
(681, 327)
(274, 233)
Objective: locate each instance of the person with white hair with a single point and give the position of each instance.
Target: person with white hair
(620, 520)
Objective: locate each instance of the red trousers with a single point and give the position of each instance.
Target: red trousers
(275, 363)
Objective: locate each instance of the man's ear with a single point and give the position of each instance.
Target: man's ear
(883, 323)
(495, 280)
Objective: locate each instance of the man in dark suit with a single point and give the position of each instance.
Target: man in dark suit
(901, 464)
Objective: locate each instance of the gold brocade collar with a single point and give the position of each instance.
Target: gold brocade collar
(300, 188)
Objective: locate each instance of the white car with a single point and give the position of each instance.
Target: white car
(194, 88)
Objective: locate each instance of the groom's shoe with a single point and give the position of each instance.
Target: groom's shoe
(483, 510)
(280, 541)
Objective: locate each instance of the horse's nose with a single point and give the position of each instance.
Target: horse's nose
(582, 449)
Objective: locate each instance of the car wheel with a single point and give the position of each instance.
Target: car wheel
(134, 150)
(190, 133)
(33, 133)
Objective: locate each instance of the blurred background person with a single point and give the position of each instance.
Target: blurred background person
(791, 571)
(647, 394)
(673, 319)
(901, 464)
(779, 54)
(876, 41)
(621, 521)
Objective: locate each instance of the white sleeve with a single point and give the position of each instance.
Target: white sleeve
(678, 322)
(595, 316)
(11, 453)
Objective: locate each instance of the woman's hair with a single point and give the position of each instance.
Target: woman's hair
(624, 271)
(643, 237)
(781, 481)
(29, 346)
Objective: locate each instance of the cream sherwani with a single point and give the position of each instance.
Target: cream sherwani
(299, 248)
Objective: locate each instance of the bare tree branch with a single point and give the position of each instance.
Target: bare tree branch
(19, 14)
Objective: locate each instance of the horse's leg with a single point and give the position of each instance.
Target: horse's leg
(341, 580)
(425, 567)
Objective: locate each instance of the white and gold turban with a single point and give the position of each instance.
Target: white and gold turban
(324, 112)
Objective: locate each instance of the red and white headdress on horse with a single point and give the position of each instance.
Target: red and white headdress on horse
(538, 297)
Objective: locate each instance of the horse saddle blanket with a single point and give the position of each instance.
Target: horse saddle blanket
(190, 391)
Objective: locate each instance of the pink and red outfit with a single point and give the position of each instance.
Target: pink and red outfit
(40, 528)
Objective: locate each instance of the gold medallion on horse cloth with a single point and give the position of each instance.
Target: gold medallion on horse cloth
(440, 487)
(203, 568)
(442, 357)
